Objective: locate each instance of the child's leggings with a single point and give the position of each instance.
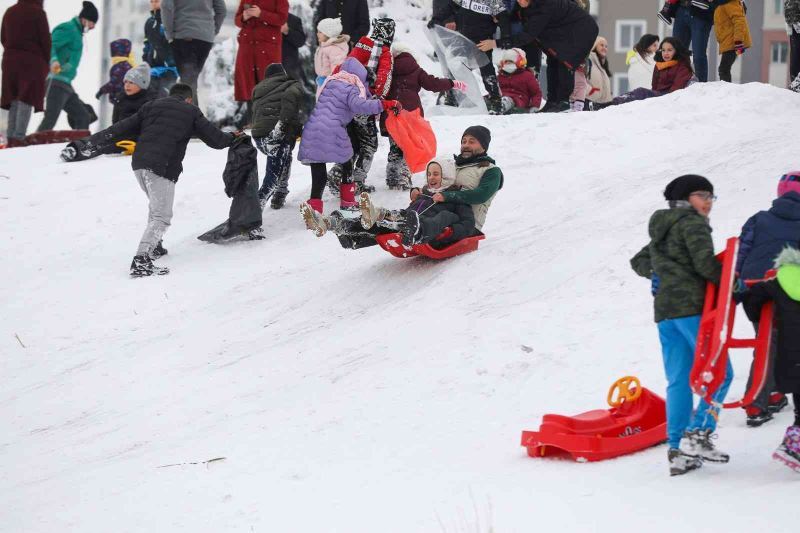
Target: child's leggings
(319, 177)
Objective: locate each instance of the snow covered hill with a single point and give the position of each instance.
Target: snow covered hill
(355, 392)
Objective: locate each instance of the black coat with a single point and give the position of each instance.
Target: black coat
(242, 162)
(292, 42)
(564, 30)
(354, 15)
(471, 24)
(157, 50)
(127, 106)
(164, 127)
(275, 98)
(787, 320)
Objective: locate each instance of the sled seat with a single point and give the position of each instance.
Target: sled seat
(393, 243)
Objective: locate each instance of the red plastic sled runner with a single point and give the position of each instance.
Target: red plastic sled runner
(714, 338)
(56, 136)
(414, 135)
(393, 243)
(637, 420)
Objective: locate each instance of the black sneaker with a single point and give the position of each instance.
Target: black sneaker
(142, 265)
(278, 200)
(779, 405)
(680, 463)
(158, 251)
(758, 419)
(411, 228)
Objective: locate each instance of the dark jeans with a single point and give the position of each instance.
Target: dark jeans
(319, 177)
(560, 81)
(694, 32)
(190, 56)
(433, 226)
(794, 55)
(725, 64)
(276, 178)
(61, 96)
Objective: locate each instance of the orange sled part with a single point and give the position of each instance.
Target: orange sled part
(601, 434)
(393, 243)
(414, 135)
(715, 336)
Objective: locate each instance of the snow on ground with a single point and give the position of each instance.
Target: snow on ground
(351, 391)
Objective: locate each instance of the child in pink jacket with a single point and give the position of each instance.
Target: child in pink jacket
(332, 50)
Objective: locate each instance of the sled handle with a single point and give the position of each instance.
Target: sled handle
(624, 392)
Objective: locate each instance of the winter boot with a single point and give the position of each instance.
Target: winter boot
(411, 229)
(700, 446)
(777, 402)
(142, 265)
(667, 13)
(158, 251)
(312, 216)
(556, 107)
(370, 215)
(347, 197)
(278, 200)
(795, 85)
(363, 187)
(788, 452)
(680, 463)
(757, 417)
(392, 219)
(256, 234)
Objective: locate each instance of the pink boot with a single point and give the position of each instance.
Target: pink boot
(788, 452)
(316, 204)
(347, 195)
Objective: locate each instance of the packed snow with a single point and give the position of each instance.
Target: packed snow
(290, 385)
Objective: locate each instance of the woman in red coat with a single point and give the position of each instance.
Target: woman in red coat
(260, 41)
(25, 36)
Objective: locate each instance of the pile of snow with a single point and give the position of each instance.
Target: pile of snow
(351, 391)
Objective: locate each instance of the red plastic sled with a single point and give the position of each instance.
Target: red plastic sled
(637, 420)
(414, 135)
(393, 243)
(56, 136)
(714, 338)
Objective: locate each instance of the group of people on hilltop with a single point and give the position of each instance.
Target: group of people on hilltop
(679, 260)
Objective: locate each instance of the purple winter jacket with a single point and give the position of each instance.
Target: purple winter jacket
(120, 50)
(325, 137)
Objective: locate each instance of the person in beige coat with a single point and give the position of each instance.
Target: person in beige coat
(600, 78)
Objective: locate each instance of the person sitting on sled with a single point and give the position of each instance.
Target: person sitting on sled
(784, 290)
(679, 260)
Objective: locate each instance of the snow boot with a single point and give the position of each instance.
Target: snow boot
(347, 197)
(363, 187)
(757, 417)
(158, 251)
(370, 215)
(795, 85)
(278, 200)
(680, 463)
(777, 402)
(788, 452)
(142, 265)
(312, 215)
(411, 229)
(256, 234)
(700, 446)
(556, 107)
(667, 13)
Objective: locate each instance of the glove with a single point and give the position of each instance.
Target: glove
(278, 134)
(739, 286)
(392, 105)
(431, 24)
(459, 86)
(739, 47)
(98, 94)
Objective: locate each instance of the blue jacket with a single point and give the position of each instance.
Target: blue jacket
(766, 234)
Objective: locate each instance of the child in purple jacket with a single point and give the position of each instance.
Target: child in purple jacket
(325, 138)
(121, 62)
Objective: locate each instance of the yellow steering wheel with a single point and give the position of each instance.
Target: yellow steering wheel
(627, 389)
(128, 146)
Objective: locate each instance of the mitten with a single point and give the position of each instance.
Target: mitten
(392, 105)
(460, 86)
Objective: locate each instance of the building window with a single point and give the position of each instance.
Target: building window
(777, 7)
(628, 33)
(779, 52)
(621, 85)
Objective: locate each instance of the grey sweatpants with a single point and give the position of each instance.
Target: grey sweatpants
(161, 194)
(19, 115)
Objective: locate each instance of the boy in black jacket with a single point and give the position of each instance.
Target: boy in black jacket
(164, 127)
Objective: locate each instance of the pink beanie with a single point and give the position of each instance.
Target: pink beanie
(789, 182)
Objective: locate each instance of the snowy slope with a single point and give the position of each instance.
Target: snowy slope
(354, 392)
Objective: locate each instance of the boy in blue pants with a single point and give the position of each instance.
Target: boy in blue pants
(680, 260)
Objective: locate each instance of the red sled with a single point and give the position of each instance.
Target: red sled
(715, 336)
(637, 420)
(55, 136)
(393, 243)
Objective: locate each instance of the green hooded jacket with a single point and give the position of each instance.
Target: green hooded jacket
(681, 254)
(67, 49)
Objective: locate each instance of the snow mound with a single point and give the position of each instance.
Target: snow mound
(351, 391)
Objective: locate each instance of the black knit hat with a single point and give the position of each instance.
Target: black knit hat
(275, 68)
(680, 188)
(481, 133)
(89, 12)
(383, 30)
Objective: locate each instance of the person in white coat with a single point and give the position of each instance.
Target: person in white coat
(600, 74)
(641, 62)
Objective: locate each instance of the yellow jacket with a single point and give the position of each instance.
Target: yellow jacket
(730, 24)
